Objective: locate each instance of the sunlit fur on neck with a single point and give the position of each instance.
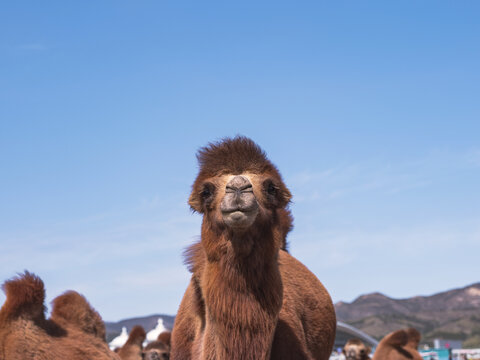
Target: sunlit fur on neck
(243, 291)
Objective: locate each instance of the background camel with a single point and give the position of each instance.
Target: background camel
(159, 349)
(75, 331)
(132, 349)
(399, 345)
(355, 349)
(247, 298)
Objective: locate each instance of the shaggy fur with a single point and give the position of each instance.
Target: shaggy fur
(355, 349)
(399, 345)
(248, 298)
(132, 349)
(75, 331)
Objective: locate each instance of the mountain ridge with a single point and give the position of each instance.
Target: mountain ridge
(451, 314)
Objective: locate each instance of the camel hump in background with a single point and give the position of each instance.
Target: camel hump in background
(399, 345)
(75, 330)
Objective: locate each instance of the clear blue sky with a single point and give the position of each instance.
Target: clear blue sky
(370, 110)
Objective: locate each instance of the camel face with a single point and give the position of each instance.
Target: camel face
(156, 354)
(235, 176)
(356, 350)
(237, 202)
(159, 349)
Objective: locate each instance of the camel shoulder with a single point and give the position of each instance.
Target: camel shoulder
(301, 285)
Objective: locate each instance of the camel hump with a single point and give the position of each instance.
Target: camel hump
(397, 338)
(414, 336)
(137, 335)
(25, 298)
(73, 309)
(165, 337)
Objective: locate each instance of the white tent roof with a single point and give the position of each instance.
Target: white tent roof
(152, 335)
(120, 340)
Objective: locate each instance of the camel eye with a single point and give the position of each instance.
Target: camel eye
(271, 189)
(207, 191)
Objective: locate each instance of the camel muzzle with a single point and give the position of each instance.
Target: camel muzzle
(239, 206)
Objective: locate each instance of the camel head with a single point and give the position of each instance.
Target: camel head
(238, 190)
(156, 354)
(355, 349)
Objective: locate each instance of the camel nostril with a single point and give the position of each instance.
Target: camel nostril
(239, 183)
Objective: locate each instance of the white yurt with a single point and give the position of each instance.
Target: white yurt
(120, 340)
(152, 335)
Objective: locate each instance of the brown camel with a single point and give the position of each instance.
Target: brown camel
(247, 299)
(75, 331)
(133, 348)
(355, 349)
(399, 345)
(159, 349)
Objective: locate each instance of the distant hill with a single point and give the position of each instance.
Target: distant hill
(453, 314)
(147, 322)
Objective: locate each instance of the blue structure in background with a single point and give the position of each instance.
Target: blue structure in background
(435, 354)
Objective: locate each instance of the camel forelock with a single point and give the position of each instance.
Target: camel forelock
(233, 156)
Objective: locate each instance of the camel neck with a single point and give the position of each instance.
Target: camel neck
(243, 297)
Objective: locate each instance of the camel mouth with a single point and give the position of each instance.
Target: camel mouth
(238, 219)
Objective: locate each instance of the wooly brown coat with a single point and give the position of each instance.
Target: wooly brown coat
(248, 298)
(75, 331)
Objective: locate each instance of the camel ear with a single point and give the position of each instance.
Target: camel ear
(195, 202)
(201, 197)
(283, 195)
(277, 193)
(286, 196)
